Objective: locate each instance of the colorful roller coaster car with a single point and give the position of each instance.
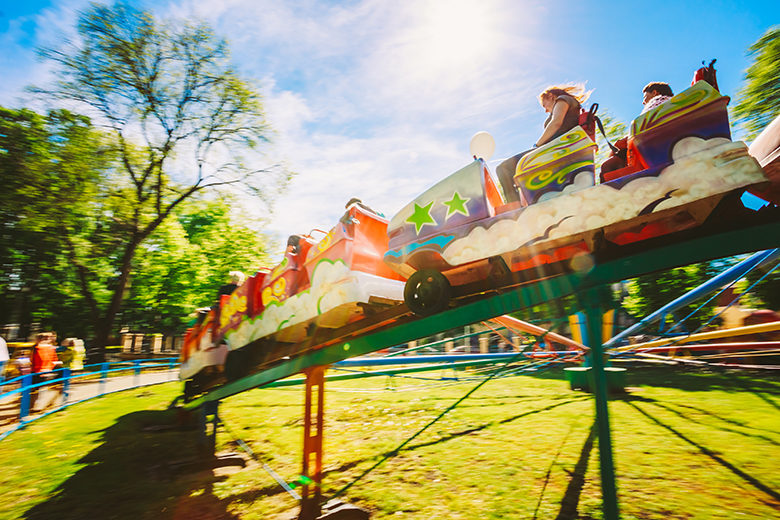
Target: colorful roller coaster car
(460, 230)
(201, 356)
(318, 284)
(204, 350)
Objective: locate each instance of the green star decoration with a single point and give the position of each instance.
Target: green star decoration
(457, 204)
(421, 216)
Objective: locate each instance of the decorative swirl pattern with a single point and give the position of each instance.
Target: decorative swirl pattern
(275, 292)
(546, 177)
(280, 268)
(236, 305)
(686, 101)
(325, 242)
(566, 144)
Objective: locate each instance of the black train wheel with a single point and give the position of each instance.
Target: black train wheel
(427, 292)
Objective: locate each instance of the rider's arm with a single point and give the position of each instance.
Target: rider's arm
(558, 113)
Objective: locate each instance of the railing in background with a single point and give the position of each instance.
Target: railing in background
(104, 378)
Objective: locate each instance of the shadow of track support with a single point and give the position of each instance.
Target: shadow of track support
(593, 301)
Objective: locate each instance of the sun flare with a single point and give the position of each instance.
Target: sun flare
(451, 34)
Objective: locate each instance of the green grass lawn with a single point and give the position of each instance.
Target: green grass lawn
(686, 445)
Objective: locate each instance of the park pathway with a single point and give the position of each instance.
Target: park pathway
(50, 397)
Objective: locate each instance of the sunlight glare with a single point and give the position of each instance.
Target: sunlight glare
(452, 35)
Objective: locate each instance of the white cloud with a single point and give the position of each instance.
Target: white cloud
(373, 98)
(378, 99)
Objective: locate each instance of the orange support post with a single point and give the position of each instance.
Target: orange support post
(312, 442)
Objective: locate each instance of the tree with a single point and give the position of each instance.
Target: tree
(180, 266)
(615, 130)
(180, 115)
(56, 194)
(759, 99)
(51, 167)
(767, 288)
(650, 292)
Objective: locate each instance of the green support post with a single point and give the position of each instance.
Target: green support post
(593, 301)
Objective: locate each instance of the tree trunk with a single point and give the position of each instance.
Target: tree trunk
(104, 326)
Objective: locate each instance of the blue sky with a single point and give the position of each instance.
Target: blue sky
(378, 98)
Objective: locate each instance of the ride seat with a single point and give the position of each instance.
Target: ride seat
(588, 120)
(564, 164)
(698, 111)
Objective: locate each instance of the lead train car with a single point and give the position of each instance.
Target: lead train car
(319, 283)
(682, 162)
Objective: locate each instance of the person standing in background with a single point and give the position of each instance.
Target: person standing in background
(4, 357)
(44, 359)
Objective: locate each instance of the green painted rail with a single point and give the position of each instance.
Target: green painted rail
(687, 247)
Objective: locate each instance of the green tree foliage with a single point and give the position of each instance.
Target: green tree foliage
(61, 211)
(758, 104)
(759, 99)
(650, 292)
(767, 290)
(182, 119)
(180, 267)
(615, 130)
(50, 169)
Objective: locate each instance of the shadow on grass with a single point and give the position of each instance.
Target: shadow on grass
(133, 474)
(774, 495)
(685, 416)
(691, 378)
(549, 470)
(474, 429)
(571, 498)
(758, 391)
(454, 435)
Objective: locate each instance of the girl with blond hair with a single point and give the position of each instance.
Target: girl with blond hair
(563, 103)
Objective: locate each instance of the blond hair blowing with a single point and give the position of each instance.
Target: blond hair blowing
(237, 277)
(575, 90)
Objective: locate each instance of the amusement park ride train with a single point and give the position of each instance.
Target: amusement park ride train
(460, 235)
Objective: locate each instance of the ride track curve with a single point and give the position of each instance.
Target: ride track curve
(726, 234)
(720, 237)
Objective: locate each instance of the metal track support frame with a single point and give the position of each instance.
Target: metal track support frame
(593, 301)
(313, 425)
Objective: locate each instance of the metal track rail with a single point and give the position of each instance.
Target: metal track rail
(397, 325)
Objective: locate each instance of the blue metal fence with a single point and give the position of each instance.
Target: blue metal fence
(102, 372)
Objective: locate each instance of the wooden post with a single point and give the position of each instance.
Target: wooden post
(314, 413)
(484, 345)
(127, 342)
(156, 344)
(177, 342)
(138, 341)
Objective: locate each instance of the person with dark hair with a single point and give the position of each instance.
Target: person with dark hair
(293, 244)
(653, 95)
(563, 103)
